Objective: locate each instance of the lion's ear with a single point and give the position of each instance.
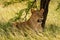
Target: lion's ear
(42, 11)
(33, 11)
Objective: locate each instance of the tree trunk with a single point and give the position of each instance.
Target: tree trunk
(44, 4)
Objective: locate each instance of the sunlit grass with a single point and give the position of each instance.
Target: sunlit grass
(51, 31)
(26, 33)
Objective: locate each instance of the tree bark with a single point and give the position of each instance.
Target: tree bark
(44, 4)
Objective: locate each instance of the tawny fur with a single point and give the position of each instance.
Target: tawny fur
(34, 21)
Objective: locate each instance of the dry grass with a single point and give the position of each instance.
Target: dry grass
(51, 31)
(26, 33)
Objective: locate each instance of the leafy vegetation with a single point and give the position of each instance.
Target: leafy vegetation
(51, 31)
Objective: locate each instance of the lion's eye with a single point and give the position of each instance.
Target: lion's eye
(38, 20)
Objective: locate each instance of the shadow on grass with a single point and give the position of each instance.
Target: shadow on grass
(52, 30)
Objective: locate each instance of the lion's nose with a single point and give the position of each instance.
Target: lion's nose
(40, 20)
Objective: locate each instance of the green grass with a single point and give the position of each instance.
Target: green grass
(26, 33)
(51, 31)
